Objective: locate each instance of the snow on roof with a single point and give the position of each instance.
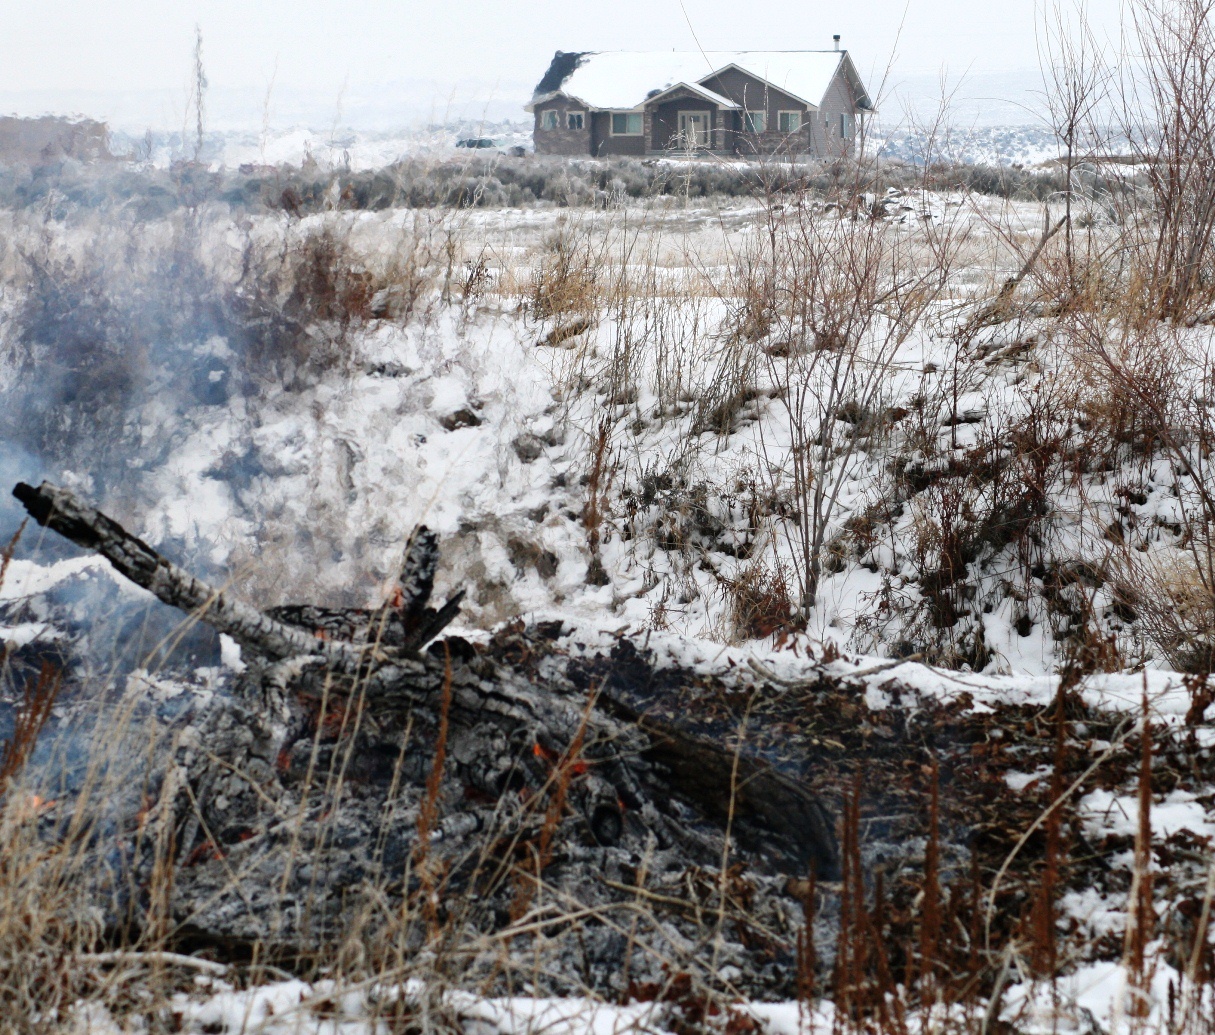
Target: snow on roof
(804, 74)
(705, 92)
(625, 79)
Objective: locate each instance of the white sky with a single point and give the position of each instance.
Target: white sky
(80, 52)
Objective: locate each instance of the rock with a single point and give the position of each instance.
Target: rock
(528, 447)
(462, 418)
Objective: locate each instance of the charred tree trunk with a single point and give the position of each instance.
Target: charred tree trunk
(286, 635)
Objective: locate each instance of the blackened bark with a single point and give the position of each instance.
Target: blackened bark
(763, 805)
(430, 623)
(270, 636)
(418, 576)
(60, 510)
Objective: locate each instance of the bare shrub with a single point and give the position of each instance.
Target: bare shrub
(1077, 96)
(1119, 371)
(839, 297)
(1170, 120)
(67, 332)
(1155, 381)
(101, 314)
(298, 312)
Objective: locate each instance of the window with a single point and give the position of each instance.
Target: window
(573, 120)
(626, 124)
(548, 119)
(790, 121)
(755, 121)
(843, 125)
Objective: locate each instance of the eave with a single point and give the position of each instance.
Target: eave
(702, 92)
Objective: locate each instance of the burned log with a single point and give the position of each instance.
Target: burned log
(494, 773)
(406, 622)
(287, 633)
(60, 510)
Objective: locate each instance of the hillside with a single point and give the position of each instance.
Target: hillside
(916, 474)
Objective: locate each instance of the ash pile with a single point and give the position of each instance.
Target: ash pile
(364, 782)
(544, 809)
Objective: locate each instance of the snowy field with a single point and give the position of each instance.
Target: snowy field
(480, 419)
(332, 147)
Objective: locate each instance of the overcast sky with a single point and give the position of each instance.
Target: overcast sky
(81, 52)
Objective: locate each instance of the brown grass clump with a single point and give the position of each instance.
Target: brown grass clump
(37, 701)
(598, 483)
(1173, 603)
(760, 603)
(565, 281)
(297, 307)
(6, 554)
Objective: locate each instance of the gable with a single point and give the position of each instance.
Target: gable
(749, 91)
(694, 91)
(852, 81)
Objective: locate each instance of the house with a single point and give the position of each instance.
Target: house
(806, 102)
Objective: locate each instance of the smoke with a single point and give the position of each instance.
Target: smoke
(128, 349)
(104, 322)
(116, 336)
(16, 465)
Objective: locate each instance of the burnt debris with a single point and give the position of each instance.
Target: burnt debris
(560, 809)
(356, 756)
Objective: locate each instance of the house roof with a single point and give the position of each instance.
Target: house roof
(622, 80)
(696, 88)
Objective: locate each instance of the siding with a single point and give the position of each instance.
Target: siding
(604, 143)
(756, 95)
(562, 141)
(839, 100)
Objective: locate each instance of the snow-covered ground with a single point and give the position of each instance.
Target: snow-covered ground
(327, 148)
(1094, 998)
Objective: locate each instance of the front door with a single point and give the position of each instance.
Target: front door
(693, 129)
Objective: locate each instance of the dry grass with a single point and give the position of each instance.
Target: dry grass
(760, 603)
